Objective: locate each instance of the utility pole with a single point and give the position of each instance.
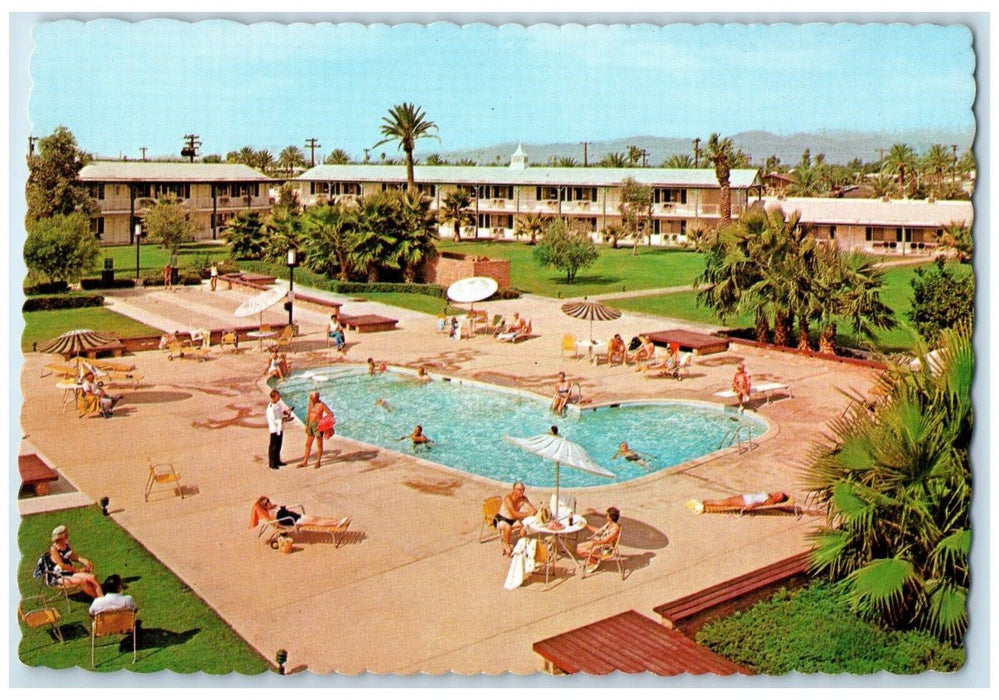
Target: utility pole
(645, 158)
(697, 152)
(190, 150)
(586, 162)
(32, 139)
(312, 145)
(953, 172)
(143, 149)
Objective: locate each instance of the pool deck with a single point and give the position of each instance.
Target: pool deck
(412, 589)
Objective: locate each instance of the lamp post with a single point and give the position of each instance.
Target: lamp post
(138, 238)
(292, 262)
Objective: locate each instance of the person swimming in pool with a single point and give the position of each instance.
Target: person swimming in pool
(384, 404)
(631, 455)
(376, 368)
(418, 438)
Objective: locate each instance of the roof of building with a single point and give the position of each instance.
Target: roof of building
(156, 171)
(876, 212)
(579, 177)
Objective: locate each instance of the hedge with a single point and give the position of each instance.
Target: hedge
(156, 280)
(98, 283)
(322, 282)
(46, 288)
(71, 301)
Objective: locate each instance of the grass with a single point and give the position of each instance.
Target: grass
(178, 631)
(153, 257)
(615, 270)
(42, 326)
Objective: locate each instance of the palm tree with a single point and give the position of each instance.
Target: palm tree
(900, 161)
(467, 162)
(532, 225)
(373, 242)
(248, 156)
(635, 155)
(264, 160)
(730, 270)
(417, 240)
(957, 236)
(805, 182)
(291, 157)
(329, 229)
(614, 160)
(720, 153)
(895, 481)
(679, 161)
(246, 235)
(337, 156)
(435, 160)
(455, 210)
(563, 162)
(283, 227)
(938, 160)
(406, 123)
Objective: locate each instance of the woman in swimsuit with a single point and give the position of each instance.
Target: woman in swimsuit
(605, 535)
(746, 500)
(646, 351)
(74, 570)
(314, 413)
(561, 398)
(274, 367)
(629, 454)
(264, 509)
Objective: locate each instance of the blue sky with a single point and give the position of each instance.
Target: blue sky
(119, 86)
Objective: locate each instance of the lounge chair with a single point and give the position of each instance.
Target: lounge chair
(277, 528)
(605, 552)
(176, 348)
(513, 337)
(111, 623)
(497, 324)
(767, 388)
(788, 506)
(283, 341)
(682, 366)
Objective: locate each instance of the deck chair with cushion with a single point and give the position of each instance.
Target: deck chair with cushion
(788, 506)
(112, 623)
(229, 338)
(165, 475)
(283, 341)
(605, 552)
(34, 612)
(54, 585)
(278, 527)
(524, 332)
(497, 324)
(569, 345)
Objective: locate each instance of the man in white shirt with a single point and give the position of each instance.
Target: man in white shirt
(113, 598)
(277, 413)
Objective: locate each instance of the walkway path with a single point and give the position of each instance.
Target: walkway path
(412, 590)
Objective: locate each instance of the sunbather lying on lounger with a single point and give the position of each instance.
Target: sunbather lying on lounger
(746, 501)
(264, 510)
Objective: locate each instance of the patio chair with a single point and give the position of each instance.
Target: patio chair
(163, 474)
(283, 341)
(513, 337)
(229, 338)
(569, 345)
(54, 585)
(277, 528)
(605, 552)
(112, 623)
(37, 614)
(490, 507)
(497, 324)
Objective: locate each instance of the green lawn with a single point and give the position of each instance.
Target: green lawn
(42, 326)
(178, 631)
(615, 270)
(152, 257)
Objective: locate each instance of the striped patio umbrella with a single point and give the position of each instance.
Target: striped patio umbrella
(592, 310)
(77, 341)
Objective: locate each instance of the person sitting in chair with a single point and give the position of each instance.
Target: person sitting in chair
(617, 349)
(645, 351)
(336, 333)
(105, 401)
(113, 598)
(514, 508)
(602, 536)
(669, 364)
(72, 569)
(516, 325)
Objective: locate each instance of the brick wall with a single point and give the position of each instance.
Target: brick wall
(451, 267)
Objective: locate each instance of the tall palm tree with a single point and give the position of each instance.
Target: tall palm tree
(329, 229)
(635, 155)
(435, 160)
(456, 210)
(804, 182)
(337, 156)
(406, 123)
(283, 227)
(895, 481)
(248, 156)
(563, 162)
(417, 239)
(720, 154)
(901, 161)
(291, 157)
(731, 269)
(264, 160)
(532, 225)
(938, 160)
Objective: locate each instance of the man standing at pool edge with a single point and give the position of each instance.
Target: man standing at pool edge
(277, 413)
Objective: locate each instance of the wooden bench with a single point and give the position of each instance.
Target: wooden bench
(368, 323)
(115, 349)
(35, 473)
(691, 612)
(689, 341)
(632, 643)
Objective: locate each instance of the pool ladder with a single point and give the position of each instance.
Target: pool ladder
(740, 436)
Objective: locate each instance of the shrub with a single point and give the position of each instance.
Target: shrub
(183, 278)
(70, 301)
(46, 288)
(98, 283)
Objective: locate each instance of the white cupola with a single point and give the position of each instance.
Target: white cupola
(518, 161)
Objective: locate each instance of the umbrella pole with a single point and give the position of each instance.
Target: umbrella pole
(557, 468)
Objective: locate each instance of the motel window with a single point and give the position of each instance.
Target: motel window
(502, 220)
(547, 192)
(320, 188)
(97, 226)
(143, 189)
(832, 233)
(96, 191)
(665, 195)
(429, 190)
(868, 234)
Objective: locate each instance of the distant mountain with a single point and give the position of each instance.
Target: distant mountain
(837, 146)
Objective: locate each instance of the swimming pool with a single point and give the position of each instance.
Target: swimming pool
(468, 420)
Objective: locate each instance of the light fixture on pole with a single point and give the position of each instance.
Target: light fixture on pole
(292, 262)
(138, 237)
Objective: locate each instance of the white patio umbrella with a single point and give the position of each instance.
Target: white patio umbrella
(259, 303)
(472, 289)
(561, 451)
(592, 310)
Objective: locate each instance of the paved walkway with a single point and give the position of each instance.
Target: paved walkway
(412, 589)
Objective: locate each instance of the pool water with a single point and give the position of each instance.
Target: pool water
(467, 421)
